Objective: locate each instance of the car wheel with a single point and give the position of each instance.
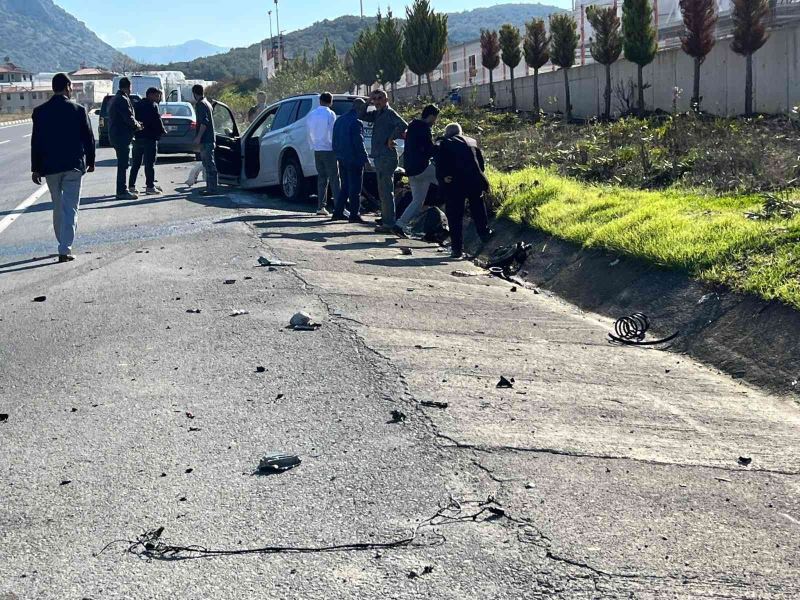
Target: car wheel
(293, 183)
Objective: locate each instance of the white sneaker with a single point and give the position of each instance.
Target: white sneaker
(323, 212)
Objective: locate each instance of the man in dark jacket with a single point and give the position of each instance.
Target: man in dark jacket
(62, 151)
(122, 125)
(205, 140)
(351, 154)
(145, 146)
(417, 158)
(460, 171)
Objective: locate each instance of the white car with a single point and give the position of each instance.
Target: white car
(275, 149)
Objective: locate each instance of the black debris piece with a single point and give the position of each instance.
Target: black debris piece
(406, 251)
(189, 415)
(193, 311)
(398, 416)
(745, 461)
(3, 417)
(513, 288)
(505, 383)
(265, 261)
(261, 369)
(279, 396)
(278, 462)
(229, 282)
(187, 471)
(194, 429)
(65, 482)
(40, 298)
(632, 330)
(434, 404)
(182, 499)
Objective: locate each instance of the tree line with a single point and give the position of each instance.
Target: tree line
(381, 54)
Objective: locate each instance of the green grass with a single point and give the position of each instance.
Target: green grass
(709, 237)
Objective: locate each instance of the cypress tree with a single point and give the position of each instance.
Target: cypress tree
(537, 53)
(424, 41)
(564, 31)
(490, 56)
(510, 41)
(389, 51)
(640, 39)
(749, 35)
(606, 46)
(700, 21)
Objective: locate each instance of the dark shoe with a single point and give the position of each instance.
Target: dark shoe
(485, 237)
(127, 196)
(153, 191)
(357, 219)
(398, 231)
(383, 229)
(338, 218)
(456, 255)
(62, 258)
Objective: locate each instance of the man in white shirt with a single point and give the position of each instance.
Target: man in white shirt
(320, 134)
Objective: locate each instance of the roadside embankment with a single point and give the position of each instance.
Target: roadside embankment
(705, 266)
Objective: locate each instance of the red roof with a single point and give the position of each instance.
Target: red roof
(18, 89)
(10, 67)
(83, 72)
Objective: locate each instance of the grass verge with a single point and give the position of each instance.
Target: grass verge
(726, 239)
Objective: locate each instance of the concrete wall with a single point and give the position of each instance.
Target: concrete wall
(776, 74)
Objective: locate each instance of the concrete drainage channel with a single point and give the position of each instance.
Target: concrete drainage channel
(747, 337)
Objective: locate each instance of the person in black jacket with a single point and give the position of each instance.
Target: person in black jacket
(417, 156)
(460, 171)
(122, 125)
(62, 151)
(145, 146)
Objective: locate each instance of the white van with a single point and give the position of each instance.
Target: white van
(140, 84)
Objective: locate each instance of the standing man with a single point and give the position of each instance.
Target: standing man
(350, 151)
(62, 151)
(388, 126)
(122, 125)
(460, 171)
(417, 158)
(206, 139)
(145, 146)
(261, 106)
(320, 136)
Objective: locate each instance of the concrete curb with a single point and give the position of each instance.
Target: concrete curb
(741, 334)
(13, 123)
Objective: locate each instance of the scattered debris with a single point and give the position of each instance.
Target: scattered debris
(406, 251)
(193, 429)
(529, 485)
(425, 571)
(302, 321)
(459, 273)
(614, 263)
(189, 415)
(745, 461)
(193, 311)
(706, 298)
(505, 383)
(261, 369)
(66, 482)
(239, 313)
(723, 479)
(509, 258)
(229, 282)
(421, 347)
(632, 330)
(248, 278)
(278, 462)
(274, 262)
(398, 416)
(513, 289)
(40, 298)
(3, 417)
(434, 404)
(187, 471)
(279, 396)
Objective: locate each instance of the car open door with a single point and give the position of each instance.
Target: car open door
(228, 151)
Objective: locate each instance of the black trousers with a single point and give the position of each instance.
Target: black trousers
(123, 159)
(455, 215)
(144, 150)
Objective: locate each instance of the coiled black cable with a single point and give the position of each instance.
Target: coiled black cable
(632, 330)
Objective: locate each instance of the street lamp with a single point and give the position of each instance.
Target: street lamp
(280, 38)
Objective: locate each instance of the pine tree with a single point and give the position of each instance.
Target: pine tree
(537, 52)
(640, 39)
(326, 59)
(364, 56)
(389, 51)
(490, 56)
(564, 31)
(606, 46)
(510, 41)
(424, 41)
(700, 21)
(749, 35)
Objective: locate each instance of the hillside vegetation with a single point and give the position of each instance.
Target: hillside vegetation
(40, 36)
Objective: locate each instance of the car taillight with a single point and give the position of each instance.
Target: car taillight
(193, 125)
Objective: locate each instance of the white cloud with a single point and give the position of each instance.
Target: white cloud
(119, 39)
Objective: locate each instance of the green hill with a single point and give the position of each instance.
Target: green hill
(342, 32)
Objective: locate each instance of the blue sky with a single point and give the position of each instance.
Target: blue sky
(224, 22)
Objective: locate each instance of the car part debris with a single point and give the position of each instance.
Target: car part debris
(398, 416)
(631, 330)
(434, 404)
(496, 271)
(459, 273)
(278, 462)
(229, 282)
(745, 461)
(505, 383)
(302, 321)
(3, 417)
(65, 482)
(274, 262)
(507, 256)
(239, 313)
(425, 571)
(406, 251)
(194, 311)
(261, 369)
(40, 298)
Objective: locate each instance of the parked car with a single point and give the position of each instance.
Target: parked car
(180, 122)
(275, 149)
(102, 126)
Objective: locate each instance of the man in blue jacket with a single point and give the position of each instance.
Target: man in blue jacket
(351, 153)
(62, 151)
(122, 125)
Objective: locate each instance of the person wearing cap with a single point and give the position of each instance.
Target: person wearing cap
(417, 159)
(62, 151)
(351, 154)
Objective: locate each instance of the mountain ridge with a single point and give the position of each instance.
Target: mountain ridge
(187, 51)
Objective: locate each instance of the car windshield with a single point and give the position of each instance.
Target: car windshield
(342, 106)
(175, 110)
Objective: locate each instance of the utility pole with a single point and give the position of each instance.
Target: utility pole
(280, 37)
(362, 10)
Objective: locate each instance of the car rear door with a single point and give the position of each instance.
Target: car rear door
(272, 143)
(228, 151)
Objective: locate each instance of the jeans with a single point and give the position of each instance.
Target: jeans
(420, 184)
(65, 192)
(455, 215)
(123, 159)
(352, 180)
(209, 166)
(144, 150)
(327, 173)
(385, 166)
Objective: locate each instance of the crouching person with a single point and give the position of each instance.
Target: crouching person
(460, 171)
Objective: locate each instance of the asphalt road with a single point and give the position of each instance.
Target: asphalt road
(604, 473)
(15, 162)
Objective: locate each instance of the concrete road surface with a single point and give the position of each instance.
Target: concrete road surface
(603, 473)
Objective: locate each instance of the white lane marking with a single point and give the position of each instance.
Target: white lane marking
(15, 214)
(4, 142)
